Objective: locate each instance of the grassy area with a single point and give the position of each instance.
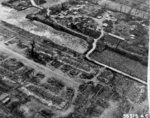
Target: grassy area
(121, 63)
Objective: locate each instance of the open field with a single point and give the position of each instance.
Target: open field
(121, 63)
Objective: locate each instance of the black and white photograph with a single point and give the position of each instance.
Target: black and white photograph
(74, 59)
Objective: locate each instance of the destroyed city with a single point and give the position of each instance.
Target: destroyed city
(74, 58)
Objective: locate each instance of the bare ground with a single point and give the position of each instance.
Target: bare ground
(7, 14)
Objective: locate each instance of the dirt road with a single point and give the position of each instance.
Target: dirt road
(106, 66)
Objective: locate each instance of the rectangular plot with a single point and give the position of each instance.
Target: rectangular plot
(9, 26)
(121, 63)
(3, 56)
(6, 33)
(17, 4)
(5, 73)
(12, 64)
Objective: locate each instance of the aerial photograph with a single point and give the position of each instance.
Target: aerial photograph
(74, 58)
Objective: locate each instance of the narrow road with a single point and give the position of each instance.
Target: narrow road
(87, 55)
(35, 5)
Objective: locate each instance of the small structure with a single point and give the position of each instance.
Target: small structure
(105, 25)
(99, 17)
(132, 36)
(6, 100)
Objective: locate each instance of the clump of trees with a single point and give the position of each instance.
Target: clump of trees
(59, 7)
(31, 51)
